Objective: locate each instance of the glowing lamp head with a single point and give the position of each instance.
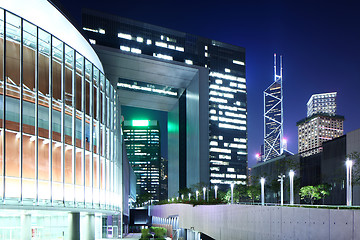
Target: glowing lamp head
(216, 187)
(257, 155)
(349, 163)
(291, 173)
(284, 140)
(262, 180)
(204, 189)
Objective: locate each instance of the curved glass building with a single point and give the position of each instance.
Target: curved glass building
(58, 117)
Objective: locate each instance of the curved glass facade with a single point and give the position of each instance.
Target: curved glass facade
(59, 132)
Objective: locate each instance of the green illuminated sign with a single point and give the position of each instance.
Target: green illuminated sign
(140, 123)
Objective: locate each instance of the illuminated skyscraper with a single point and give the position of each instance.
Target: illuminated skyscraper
(273, 116)
(223, 110)
(322, 103)
(142, 141)
(321, 125)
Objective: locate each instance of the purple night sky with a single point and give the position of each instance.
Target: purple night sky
(319, 41)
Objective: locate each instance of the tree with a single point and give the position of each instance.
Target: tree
(143, 198)
(324, 190)
(309, 194)
(185, 191)
(253, 192)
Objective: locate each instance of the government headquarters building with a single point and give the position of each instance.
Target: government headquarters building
(61, 142)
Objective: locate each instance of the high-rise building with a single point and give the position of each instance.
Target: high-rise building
(322, 103)
(227, 94)
(142, 141)
(321, 125)
(273, 116)
(163, 178)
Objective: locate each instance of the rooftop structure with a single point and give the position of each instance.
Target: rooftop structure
(322, 103)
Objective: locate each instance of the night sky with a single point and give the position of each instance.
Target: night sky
(319, 41)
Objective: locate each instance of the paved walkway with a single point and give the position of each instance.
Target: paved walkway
(133, 236)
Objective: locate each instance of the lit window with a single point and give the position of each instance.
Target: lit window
(206, 47)
(161, 44)
(238, 62)
(227, 70)
(139, 39)
(124, 48)
(162, 37)
(171, 47)
(187, 61)
(135, 50)
(218, 81)
(162, 56)
(92, 41)
(148, 42)
(125, 36)
(221, 137)
(206, 54)
(90, 30)
(102, 31)
(181, 49)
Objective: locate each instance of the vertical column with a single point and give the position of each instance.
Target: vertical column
(89, 227)
(25, 226)
(73, 226)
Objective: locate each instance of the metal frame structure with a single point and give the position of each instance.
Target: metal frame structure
(273, 125)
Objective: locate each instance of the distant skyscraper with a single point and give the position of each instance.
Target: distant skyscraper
(322, 103)
(163, 178)
(273, 116)
(142, 141)
(321, 125)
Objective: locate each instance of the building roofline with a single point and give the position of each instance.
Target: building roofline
(319, 94)
(319, 115)
(157, 28)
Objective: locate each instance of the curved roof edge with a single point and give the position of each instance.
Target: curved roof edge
(43, 14)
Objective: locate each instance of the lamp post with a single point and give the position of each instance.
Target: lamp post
(216, 188)
(281, 180)
(182, 196)
(204, 190)
(197, 195)
(262, 181)
(291, 175)
(232, 193)
(349, 164)
(189, 196)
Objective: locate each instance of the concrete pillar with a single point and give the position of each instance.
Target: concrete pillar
(74, 225)
(25, 226)
(89, 227)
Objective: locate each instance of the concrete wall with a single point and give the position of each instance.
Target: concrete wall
(223, 222)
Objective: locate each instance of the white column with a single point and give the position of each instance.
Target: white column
(25, 226)
(74, 225)
(291, 175)
(348, 183)
(89, 227)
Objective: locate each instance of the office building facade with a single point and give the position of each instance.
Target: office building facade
(227, 94)
(324, 103)
(321, 125)
(273, 116)
(59, 153)
(142, 141)
(315, 130)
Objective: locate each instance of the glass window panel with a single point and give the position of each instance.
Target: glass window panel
(96, 137)
(96, 179)
(69, 68)
(12, 170)
(57, 61)
(87, 133)
(1, 98)
(96, 103)
(28, 166)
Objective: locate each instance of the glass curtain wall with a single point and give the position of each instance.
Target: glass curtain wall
(57, 122)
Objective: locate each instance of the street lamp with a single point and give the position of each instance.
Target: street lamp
(291, 175)
(204, 190)
(189, 196)
(197, 195)
(216, 188)
(281, 180)
(262, 181)
(349, 164)
(232, 193)
(182, 196)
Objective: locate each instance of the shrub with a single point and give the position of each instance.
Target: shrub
(160, 232)
(145, 234)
